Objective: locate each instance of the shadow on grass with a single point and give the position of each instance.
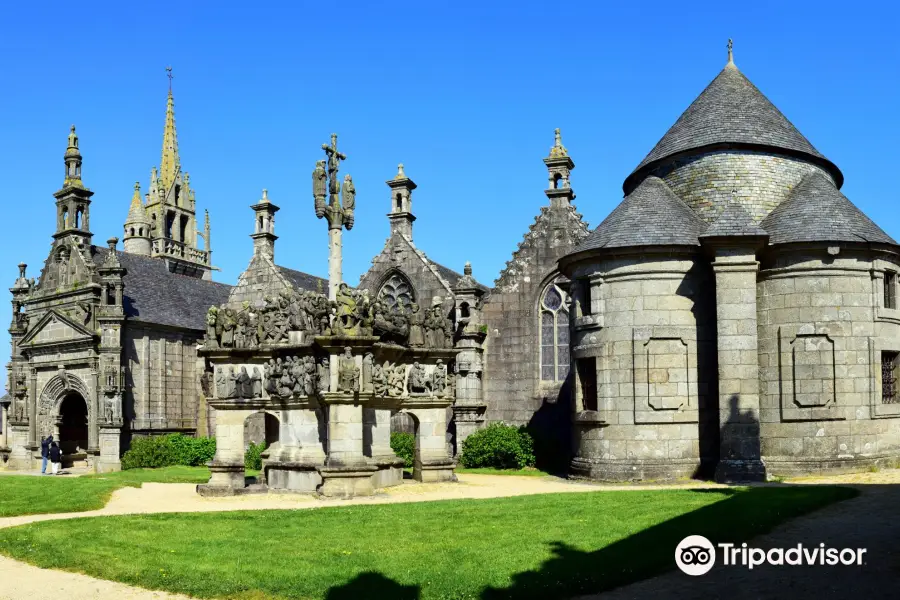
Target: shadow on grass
(373, 585)
(738, 518)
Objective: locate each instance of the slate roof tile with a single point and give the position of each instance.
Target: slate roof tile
(734, 220)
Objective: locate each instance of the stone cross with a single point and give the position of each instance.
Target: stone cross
(334, 213)
(730, 51)
(170, 76)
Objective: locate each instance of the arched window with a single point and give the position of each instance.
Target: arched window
(397, 291)
(554, 311)
(399, 203)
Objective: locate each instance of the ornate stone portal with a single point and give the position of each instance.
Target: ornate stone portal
(331, 370)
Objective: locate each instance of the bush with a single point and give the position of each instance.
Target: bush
(499, 446)
(404, 446)
(166, 450)
(252, 458)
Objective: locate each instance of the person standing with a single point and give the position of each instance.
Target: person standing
(45, 452)
(55, 458)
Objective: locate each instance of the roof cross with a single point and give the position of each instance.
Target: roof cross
(170, 76)
(730, 51)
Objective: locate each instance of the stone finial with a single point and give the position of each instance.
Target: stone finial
(73, 138)
(467, 269)
(730, 51)
(111, 242)
(400, 173)
(558, 149)
(265, 196)
(22, 267)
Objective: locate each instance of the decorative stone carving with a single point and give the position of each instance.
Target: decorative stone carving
(324, 375)
(212, 334)
(379, 380)
(366, 381)
(242, 384)
(348, 373)
(256, 383)
(418, 381)
(396, 376)
(111, 410)
(416, 326)
(439, 378)
(221, 383)
(319, 179)
(348, 194)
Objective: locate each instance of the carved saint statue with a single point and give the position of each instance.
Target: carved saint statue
(221, 383)
(110, 409)
(396, 377)
(366, 381)
(212, 318)
(349, 201)
(319, 178)
(439, 379)
(230, 384)
(416, 326)
(417, 376)
(348, 372)
(243, 387)
(256, 383)
(324, 373)
(379, 381)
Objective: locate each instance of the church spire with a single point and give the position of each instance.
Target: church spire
(559, 167)
(170, 164)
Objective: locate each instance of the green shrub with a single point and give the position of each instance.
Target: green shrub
(166, 450)
(499, 446)
(252, 458)
(404, 446)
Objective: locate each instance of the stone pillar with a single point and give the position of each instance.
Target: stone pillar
(94, 413)
(377, 446)
(432, 462)
(738, 357)
(4, 426)
(227, 468)
(109, 444)
(20, 457)
(33, 411)
(347, 472)
(335, 275)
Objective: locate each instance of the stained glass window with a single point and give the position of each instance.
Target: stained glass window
(397, 290)
(554, 334)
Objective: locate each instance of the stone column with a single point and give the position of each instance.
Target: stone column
(227, 468)
(4, 427)
(738, 357)
(94, 412)
(345, 436)
(335, 275)
(32, 411)
(108, 450)
(432, 462)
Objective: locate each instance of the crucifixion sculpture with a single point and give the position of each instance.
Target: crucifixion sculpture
(338, 215)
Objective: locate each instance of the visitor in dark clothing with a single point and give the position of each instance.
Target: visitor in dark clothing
(45, 453)
(55, 458)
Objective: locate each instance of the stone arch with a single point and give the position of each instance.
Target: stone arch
(552, 310)
(58, 389)
(395, 287)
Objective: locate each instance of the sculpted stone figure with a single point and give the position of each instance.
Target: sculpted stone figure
(242, 385)
(366, 381)
(298, 368)
(417, 377)
(348, 372)
(286, 383)
(309, 375)
(416, 327)
(228, 324)
(349, 201)
(396, 377)
(271, 385)
(230, 384)
(240, 331)
(212, 317)
(379, 380)
(221, 383)
(324, 373)
(439, 378)
(110, 409)
(256, 383)
(347, 319)
(19, 410)
(319, 179)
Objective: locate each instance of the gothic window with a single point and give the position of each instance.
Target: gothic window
(397, 291)
(79, 214)
(554, 334)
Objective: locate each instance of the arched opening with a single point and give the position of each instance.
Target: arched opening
(557, 181)
(272, 430)
(554, 333)
(177, 195)
(132, 231)
(406, 422)
(170, 222)
(184, 229)
(399, 202)
(79, 214)
(140, 231)
(73, 424)
(397, 292)
(65, 218)
(464, 310)
(259, 225)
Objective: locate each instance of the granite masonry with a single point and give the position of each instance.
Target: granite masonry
(735, 316)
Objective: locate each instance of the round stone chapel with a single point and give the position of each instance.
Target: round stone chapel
(736, 315)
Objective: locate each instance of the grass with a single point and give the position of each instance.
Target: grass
(29, 494)
(546, 546)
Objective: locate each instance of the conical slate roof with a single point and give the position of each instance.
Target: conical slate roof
(816, 211)
(731, 113)
(733, 221)
(136, 213)
(651, 215)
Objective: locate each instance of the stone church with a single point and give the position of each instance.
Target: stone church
(734, 315)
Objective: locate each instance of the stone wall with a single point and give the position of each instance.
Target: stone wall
(650, 336)
(513, 390)
(759, 181)
(822, 329)
(162, 382)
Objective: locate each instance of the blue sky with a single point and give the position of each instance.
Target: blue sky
(465, 94)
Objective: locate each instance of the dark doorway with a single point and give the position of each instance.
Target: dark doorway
(73, 424)
(273, 430)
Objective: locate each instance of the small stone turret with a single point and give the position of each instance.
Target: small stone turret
(73, 201)
(401, 215)
(137, 226)
(559, 165)
(264, 229)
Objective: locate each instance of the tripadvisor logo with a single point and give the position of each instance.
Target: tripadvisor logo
(696, 555)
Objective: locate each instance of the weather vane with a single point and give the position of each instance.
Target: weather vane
(170, 76)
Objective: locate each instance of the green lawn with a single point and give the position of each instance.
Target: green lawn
(546, 546)
(29, 494)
